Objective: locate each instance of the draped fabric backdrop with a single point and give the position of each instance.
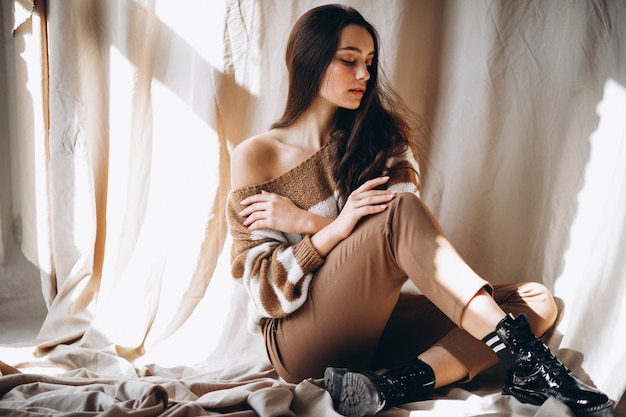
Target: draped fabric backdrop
(127, 111)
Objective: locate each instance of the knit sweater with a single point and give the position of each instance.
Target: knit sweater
(276, 268)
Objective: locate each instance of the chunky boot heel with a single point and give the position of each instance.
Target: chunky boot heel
(333, 382)
(365, 393)
(535, 374)
(360, 396)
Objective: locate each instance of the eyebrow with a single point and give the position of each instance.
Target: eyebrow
(354, 48)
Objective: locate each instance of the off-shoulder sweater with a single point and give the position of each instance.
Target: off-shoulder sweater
(276, 268)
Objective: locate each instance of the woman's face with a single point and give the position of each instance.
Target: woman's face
(346, 77)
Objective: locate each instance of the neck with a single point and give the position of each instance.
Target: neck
(317, 123)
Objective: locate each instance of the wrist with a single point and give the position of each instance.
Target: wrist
(328, 237)
(316, 223)
(338, 230)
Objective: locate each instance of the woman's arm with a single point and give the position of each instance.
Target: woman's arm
(255, 161)
(275, 267)
(275, 271)
(363, 201)
(272, 211)
(401, 175)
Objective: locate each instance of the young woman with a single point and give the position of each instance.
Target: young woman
(327, 226)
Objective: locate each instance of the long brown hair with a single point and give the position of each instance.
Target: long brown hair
(367, 136)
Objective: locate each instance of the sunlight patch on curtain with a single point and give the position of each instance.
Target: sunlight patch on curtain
(175, 167)
(22, 11)
(33, 149)
(595, 262)
(186, 16)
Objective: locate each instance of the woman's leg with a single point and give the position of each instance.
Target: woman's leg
(349, 302)
(354, 293)
(452, 353)
(420, 248)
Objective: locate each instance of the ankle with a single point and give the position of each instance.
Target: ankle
(481, 315)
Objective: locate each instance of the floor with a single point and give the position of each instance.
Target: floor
(22, 307)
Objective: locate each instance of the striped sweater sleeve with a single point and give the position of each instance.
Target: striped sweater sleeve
(275, 268)
(404, 173)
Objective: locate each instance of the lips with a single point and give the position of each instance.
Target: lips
(358, 91)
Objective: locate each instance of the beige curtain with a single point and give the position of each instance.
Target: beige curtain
(128, 110)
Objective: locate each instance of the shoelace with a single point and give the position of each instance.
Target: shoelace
(540, 354)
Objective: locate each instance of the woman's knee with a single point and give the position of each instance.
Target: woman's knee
(408, 201)
(543, 304)
(410, 206)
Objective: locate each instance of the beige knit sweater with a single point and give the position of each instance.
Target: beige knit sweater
(277, 268)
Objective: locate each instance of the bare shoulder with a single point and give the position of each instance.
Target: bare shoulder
(252, 161)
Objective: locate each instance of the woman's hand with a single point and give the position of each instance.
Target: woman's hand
(272, 211)
(362, 202)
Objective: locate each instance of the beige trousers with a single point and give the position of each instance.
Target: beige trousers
(357, 317)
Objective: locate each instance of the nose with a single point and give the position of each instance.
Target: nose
(362, 72)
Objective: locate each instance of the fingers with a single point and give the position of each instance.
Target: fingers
(257, 198)
(255, 202)
(252, 208)
(253, 220)
(376, 198)
(366, 200)
(261, 209)
(367, 195)
(373, 183)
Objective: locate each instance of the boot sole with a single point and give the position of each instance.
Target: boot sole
(359, 396)
(604, 410)
(333, 382)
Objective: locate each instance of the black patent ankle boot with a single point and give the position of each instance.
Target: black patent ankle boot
(535, 374)
(365, 393)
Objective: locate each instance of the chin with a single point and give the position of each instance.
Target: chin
(352, 106)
